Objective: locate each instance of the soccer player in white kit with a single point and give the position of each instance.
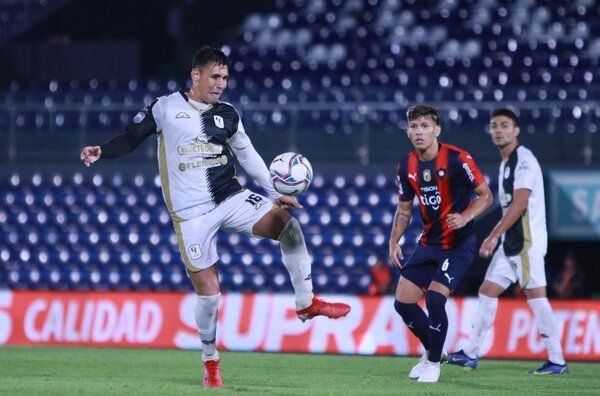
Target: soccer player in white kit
(523, 240)
(198, 136)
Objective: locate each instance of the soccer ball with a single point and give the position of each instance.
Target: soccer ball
(291, 173)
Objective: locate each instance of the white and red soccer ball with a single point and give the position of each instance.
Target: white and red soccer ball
(291, 173)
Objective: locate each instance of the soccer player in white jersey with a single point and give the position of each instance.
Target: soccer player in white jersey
(522, 241)
(198, 136)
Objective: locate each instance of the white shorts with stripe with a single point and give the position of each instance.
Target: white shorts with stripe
(197, 237)
(527, 268)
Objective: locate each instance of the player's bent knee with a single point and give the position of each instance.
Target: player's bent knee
(405, 310)
(408, 292)
(291, 233)
(491, 289)
(434, 299)
(272, 224)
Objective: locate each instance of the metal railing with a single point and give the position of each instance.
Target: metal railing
(364, 133)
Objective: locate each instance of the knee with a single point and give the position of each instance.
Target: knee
(281, 215)
(290, 231)
(490, 289)
(434, 300)
(402, 308)
(272, 224)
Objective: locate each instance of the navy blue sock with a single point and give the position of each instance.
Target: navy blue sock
(438, 324)
(415, 319)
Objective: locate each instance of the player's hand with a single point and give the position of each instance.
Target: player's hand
(287, 202)
(456, 220)
(396, 255)
(488, 246)
(90, 154)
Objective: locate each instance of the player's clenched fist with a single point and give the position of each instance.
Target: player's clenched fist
(90, 154)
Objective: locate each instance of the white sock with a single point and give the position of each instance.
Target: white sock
(548, 329)
(206, 320)
(297, 261)
(484, 318)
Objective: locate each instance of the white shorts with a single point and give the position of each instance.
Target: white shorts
(527, 268)
(197, 236)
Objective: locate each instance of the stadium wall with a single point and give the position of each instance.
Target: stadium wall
(267, 322)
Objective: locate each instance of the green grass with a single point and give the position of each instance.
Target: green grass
(95, 371)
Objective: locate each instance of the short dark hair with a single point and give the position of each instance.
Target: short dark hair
(209, 56)
(506, 112)
(423, 110)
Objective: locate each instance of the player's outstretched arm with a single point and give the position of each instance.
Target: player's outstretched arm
(255, 167)
(90, 154)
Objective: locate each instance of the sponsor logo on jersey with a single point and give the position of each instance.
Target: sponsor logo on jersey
(442, 173)
(256, 200)
(400, 189)
(219, 121)
(427, 175)
(204, 163)
(431, 199)
(200, 148)
(202, 137)
(259, 205)
(413, 176)
(139, 117)
(523, 165)
(182, 114)
(468, 170)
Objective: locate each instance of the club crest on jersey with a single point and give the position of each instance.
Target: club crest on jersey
(219, 121)
(427, 175)
(182, 114)
(507, 172)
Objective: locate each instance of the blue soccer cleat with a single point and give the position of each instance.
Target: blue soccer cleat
(460, 358)
(551, 368)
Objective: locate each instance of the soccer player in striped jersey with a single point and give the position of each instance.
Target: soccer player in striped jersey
(522, 240)
(198, 137)
(443, 178)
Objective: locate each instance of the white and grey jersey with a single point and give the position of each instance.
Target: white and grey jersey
(194, 152)
(522, 170)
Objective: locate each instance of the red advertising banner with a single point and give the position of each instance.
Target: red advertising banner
(267, 322)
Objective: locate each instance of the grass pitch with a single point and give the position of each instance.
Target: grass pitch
(106, 371)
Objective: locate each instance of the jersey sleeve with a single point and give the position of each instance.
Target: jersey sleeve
(524, 172)
(405, 190)
(145, 123)
(239, 139)
(142, 126)
(470, 171)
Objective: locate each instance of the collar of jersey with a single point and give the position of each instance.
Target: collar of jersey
(192, 105)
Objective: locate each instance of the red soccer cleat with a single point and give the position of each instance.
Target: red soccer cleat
(212, 374)
(321, 307)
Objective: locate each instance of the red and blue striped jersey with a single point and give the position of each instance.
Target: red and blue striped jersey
(443, 185)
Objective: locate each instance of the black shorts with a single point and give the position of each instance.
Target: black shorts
(447, 267)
